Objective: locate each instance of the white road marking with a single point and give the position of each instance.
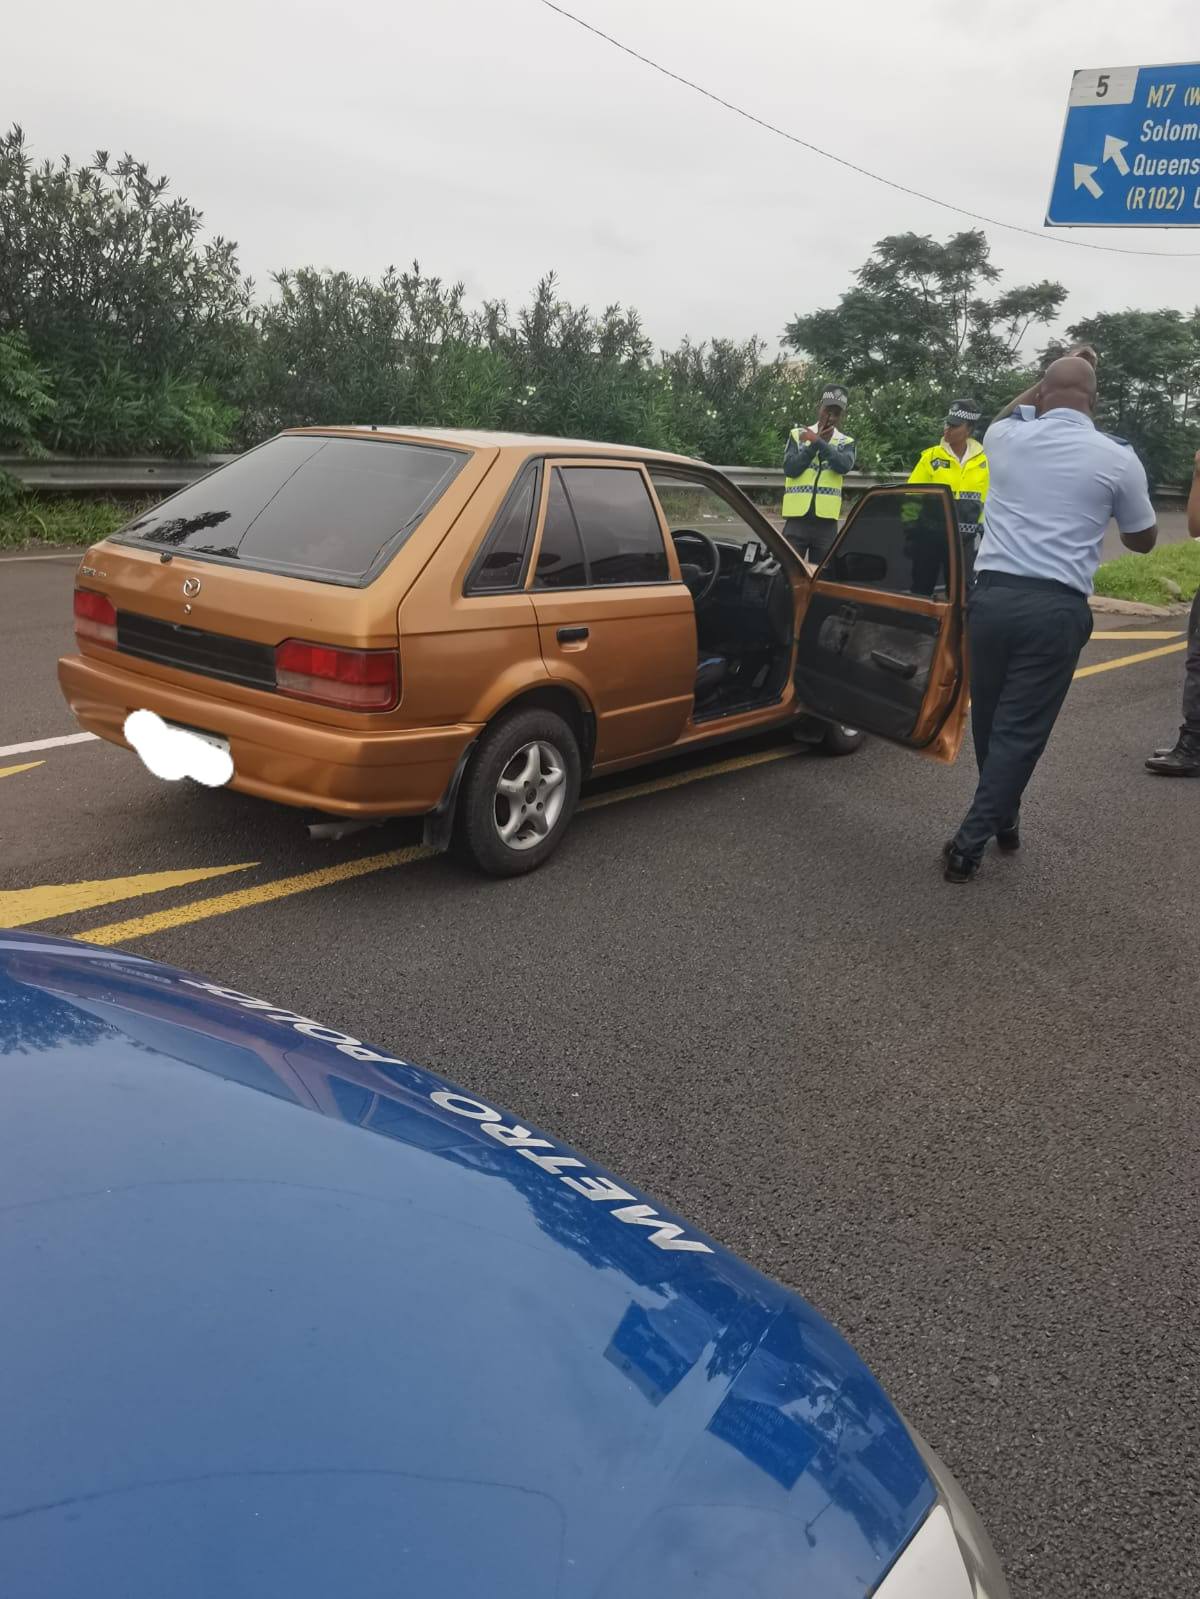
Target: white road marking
(47, 743)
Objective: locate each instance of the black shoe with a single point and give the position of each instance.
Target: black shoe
(1008, 839)
(959, 868)
(1182, 761)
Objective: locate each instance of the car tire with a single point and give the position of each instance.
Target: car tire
(523, 780)
(841, 740)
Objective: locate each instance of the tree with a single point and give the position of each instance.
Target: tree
(1149, 383)
(26, 400)
(919, 313)
(335, 348)
(728, 404)
(109, 282)
(573, 372)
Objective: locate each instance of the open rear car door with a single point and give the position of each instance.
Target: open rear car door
(881, 642)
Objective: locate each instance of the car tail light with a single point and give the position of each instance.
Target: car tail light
(361, 680)
(95, 617)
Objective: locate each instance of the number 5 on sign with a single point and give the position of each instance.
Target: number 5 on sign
(1115, 86)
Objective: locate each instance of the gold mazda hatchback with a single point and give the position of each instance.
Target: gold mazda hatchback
(465, 626)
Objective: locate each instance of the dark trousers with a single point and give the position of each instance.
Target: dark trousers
(811, 536)
(927, 545)
(1024, 635)
(1191, 676)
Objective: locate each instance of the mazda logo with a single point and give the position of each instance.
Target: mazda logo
(191, 587)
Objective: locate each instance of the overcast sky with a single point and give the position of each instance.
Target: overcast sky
(494, 140)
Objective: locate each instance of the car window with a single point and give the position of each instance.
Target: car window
(560, 557)
(691, 503)
(501, 561)
(622, 539)
(326, 507)
(898, 543)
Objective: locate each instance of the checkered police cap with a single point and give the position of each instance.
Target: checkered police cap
(964, 411)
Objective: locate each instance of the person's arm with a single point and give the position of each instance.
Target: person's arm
(838, 457)
(1028, 398)
(1030, 395)
(796, 457)
(1193, 506)
(1133, 509)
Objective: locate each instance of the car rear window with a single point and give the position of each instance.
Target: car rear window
(330, 508)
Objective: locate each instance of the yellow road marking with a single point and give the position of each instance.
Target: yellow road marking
(11, 771)
(20, 906)
(284, 887)
(736, 764)
(242, 899)
(1129, 660)
(1138, 634)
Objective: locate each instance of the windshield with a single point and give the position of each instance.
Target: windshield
(332, 508)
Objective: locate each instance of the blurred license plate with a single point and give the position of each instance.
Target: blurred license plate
(214, 739)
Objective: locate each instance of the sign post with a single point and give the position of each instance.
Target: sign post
(1130, 154)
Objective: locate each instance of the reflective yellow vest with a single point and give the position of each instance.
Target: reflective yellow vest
(817, 486)
(967, 479)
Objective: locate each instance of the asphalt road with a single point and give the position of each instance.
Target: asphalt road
(962, 1121)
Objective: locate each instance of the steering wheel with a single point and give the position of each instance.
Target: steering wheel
(700, 577)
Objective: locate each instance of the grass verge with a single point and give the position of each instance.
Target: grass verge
(29, 520)
(1140, 577)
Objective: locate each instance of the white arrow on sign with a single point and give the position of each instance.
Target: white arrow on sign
(1114, 151)
(1085, 178)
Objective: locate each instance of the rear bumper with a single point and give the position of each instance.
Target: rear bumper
(404, 772)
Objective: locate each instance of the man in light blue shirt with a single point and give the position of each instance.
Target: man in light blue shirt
(1055, 484)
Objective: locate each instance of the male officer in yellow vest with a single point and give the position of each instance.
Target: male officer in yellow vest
(815, 462)
(959, 462)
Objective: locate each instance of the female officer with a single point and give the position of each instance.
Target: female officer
(959, 462)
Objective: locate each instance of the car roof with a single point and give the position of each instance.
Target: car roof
(486, 439)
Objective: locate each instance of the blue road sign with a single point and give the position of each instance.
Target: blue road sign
(1130, 152)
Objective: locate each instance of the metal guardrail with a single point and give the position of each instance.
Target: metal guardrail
(148, 474)
(143, 475)
(771, 477)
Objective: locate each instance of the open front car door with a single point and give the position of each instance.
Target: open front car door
(881, 643)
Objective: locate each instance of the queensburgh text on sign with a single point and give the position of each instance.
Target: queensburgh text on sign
(1130, 152)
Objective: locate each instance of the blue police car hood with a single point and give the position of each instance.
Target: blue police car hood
(404, 1346)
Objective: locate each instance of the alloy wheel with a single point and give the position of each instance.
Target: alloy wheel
(530, 795)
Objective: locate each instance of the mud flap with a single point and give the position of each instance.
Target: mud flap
(438, 829)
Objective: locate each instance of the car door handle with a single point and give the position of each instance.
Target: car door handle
(571, 635)
(891, 663)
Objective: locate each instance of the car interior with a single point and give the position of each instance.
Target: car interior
(745, 613)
